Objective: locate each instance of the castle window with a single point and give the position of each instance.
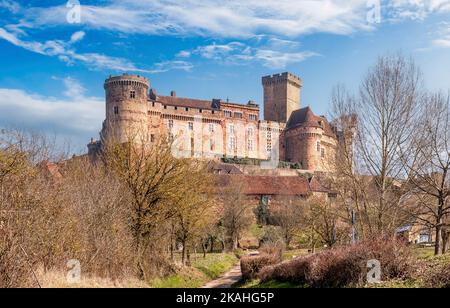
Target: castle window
(211, 128)
(133, 94)
(165, 107)
(187, 109)
(213, 112)
(228, 114)
(269, 141)
(232, 143)
(170, 124)
(176, 108)
(238, 115)
(116, 110)
(191, 126)
(201, 111)
(250, 145)
(253, 117)
(153, 104)
(231, 129)
(318, 146)
(152, 138)
(322, 153)
(211, 145)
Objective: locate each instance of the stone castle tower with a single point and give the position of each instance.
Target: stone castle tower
(223, 129)
(281, 96)
(126, 108)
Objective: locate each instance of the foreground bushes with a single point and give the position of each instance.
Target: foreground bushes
(252, 265)
(345, 266)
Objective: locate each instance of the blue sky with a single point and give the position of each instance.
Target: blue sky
(53, 64)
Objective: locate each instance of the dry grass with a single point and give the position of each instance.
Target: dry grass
(57, 279)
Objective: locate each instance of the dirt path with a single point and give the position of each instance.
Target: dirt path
(230, 278)
(227, 280)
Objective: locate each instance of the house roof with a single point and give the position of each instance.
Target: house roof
(272, 185)
(220, 168)
(185, 102)
(305, 117)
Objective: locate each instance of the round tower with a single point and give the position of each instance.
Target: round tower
(126, 108)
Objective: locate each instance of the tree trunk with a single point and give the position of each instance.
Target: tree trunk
(437, 244)
(183, 253)
(445, 237)
(204, 248)
(211, 250)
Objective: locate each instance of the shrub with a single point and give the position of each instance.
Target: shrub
(345, 266)
(268, 255)
(435, 273)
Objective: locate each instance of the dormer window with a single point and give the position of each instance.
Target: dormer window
(132, 94)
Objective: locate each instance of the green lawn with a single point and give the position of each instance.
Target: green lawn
(202, 271)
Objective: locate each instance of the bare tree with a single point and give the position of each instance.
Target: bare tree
(386, 111)
(428, 163)
(290, 216)
(154, 178)
(237, 212)
(196, 213)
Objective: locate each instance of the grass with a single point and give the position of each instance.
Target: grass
(273, 284)
(291, 254)
(202, 271)
(424, 253)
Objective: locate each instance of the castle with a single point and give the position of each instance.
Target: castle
(213, 129)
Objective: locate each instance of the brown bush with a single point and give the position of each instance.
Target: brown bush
(435, 273)
(345, 266)
(268, 255)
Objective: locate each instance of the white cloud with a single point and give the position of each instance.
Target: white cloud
(65, 52)
(9, 5)
(77, 36)
(442, 36)
(277, 59)
(74, 89)
(416, 9)
(270, 54)
(78, 117)
(166, 66)
(232, 18)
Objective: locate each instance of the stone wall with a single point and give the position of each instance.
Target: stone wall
(281, 96)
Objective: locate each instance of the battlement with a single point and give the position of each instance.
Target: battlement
(281, 78)
(127, 80)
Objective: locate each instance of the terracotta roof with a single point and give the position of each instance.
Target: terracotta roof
(268, 185)
(185, 102)
(305, 117)
(51, 169)
(220, 168)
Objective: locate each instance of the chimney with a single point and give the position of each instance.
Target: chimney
(173, 94)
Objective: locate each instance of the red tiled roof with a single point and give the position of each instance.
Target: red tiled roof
(305, 117)
(269, 185)
(184, 102)
(51, 169)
